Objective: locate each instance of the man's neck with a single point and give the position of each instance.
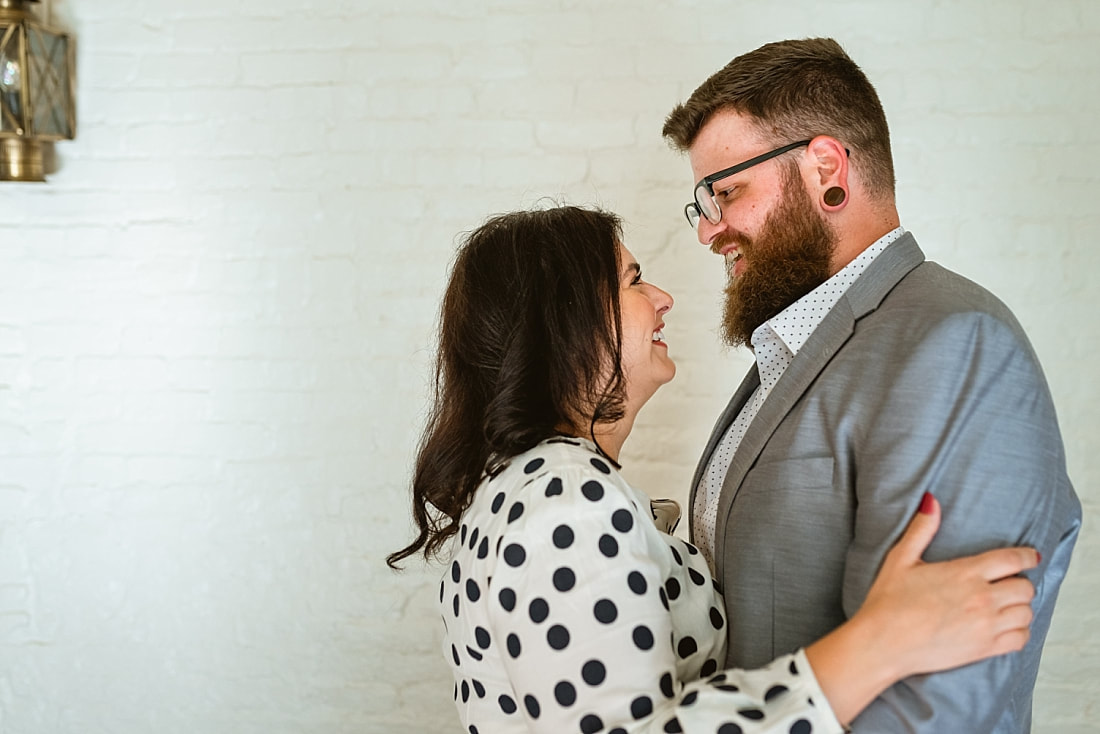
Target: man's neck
(860, 234)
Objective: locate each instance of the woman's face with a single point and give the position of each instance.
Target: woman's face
(646, 364)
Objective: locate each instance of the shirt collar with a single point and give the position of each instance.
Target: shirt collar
(794, 324)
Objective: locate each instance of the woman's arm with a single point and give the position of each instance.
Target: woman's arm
(924, 617)
(588, 642)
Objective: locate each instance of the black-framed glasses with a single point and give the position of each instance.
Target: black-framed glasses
(705, 205)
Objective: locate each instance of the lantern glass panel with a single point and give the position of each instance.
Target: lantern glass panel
(11, 80)
(48, 58)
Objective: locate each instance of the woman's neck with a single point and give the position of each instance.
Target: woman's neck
(610, 437)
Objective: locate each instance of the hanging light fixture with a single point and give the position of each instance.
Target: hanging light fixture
(37, 104)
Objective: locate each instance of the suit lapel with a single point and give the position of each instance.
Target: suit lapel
(748, 386)
(864, 296)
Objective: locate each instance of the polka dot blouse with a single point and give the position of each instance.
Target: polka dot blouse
(567, 610)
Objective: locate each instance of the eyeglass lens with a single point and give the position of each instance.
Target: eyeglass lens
(706, 204)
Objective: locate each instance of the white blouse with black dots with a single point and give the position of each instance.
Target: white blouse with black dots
(567, 610)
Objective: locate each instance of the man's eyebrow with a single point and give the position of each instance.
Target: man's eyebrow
(633, 267)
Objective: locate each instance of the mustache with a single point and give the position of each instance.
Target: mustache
(730, 238)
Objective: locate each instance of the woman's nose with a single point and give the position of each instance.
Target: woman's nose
(662, 300)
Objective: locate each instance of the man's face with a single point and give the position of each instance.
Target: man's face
(787, 258)
(777, 245)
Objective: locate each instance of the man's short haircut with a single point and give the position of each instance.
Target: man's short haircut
(796, 90)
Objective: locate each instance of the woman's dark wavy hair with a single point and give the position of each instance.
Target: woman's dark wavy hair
(528, 326)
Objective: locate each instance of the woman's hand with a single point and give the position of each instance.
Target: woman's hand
(924, 617)
(942, 615)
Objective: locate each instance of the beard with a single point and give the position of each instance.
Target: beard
(788, 258)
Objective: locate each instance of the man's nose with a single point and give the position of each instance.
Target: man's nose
(707, 231)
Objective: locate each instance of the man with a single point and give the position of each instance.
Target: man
(878, 377)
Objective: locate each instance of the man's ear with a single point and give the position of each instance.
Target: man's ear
(829, 177)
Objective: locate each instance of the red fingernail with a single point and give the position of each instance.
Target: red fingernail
(1039, 557)
(927, 504)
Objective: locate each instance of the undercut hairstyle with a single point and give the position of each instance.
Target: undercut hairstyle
(796, 90)
(530, 341)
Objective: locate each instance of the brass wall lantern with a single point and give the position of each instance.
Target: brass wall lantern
(37, 102)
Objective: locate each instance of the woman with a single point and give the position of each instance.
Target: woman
(566, 609)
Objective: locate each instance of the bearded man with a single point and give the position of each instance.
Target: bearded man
(878, 377)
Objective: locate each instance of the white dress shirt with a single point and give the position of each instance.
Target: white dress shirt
(775, 344)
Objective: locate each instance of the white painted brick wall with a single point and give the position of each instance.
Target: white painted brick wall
(216, 319)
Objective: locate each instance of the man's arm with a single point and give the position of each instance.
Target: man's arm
(961, 411)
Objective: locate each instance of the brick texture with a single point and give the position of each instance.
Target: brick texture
(216, 319)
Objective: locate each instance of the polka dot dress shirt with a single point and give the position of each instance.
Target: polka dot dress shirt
(566, 610)
(775, 343)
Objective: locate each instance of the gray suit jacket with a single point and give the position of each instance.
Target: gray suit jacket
(917, 380)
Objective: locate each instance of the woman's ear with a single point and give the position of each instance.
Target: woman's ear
(830, 176)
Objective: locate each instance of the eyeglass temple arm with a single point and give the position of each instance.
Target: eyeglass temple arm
(710, 180)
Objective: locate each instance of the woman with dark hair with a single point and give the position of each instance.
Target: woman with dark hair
(566, 607)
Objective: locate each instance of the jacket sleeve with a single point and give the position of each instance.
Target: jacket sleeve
(967, 415)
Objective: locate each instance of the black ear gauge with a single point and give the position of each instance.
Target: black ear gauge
(834, 196)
